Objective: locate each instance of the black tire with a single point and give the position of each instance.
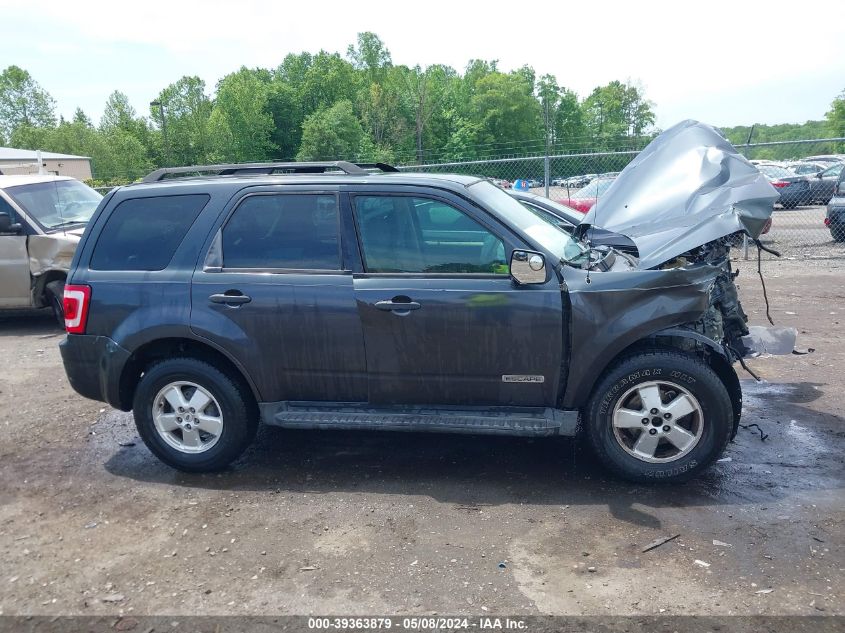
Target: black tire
(837, 232)
(668, 366)
(240, 419)
(55, 292)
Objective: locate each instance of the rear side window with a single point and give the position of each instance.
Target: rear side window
(144, 233)
(283, 231)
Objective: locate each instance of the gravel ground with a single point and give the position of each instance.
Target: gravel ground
(345, 523)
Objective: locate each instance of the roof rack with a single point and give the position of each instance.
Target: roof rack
(267, 168)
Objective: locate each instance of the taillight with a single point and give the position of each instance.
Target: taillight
(76, 301)
(780, 184)
(827, 222)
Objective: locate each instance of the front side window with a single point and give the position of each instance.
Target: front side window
(283, 231)
(6, 208)
(407, 234)
(833, 171)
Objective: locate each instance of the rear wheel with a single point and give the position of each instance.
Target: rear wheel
(837, 231)
(192, 416)
(659, 415)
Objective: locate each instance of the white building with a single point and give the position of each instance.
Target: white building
(24, 161)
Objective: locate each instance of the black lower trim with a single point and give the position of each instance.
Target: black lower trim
(473, 420)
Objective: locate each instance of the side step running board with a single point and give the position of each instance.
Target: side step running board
(480, 420)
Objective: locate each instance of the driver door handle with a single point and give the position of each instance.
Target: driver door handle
(397, 306)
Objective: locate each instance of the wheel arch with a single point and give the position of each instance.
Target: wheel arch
(163, 348)
(689, 341)
(39, 288)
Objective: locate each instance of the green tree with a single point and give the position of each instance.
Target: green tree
(506, 109)
(569, 121)
(617, 113)
(381, 115)
(463, 140)
(426, 91)
(370, 56)
(79, 116)
(836, 115)
(331, 134)
(328, 79)
(120, 115)
(125, 157)
(240, 122)
(23, 102)
(187, 111)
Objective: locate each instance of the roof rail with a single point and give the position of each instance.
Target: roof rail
(266, 168)
(380, 166)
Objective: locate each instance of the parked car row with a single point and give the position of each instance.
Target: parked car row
(820, 173)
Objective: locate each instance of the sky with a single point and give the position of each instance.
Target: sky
(723, 62)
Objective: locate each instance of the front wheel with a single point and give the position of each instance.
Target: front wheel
(659, 415)
(192, 416)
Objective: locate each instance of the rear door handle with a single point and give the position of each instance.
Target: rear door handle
(397, 306)
(230, 298)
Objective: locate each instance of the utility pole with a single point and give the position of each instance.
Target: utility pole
(160, 106)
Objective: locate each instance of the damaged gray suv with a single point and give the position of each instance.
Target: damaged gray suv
(342, 296)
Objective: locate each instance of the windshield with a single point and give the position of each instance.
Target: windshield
(594, 189)
(57, 204)
(549, 236)
(775, 171)
(804, 168)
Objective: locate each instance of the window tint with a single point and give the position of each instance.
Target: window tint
(290, 231)
(143, 233)
(835, 170)
(421, 235)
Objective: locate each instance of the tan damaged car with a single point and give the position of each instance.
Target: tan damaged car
(41, 220)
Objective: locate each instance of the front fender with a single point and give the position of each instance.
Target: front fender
(614, 310)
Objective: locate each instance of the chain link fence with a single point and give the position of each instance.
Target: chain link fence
(805, 172)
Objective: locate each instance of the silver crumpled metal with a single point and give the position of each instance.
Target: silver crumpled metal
(688, 187)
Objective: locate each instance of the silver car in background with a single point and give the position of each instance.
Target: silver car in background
(42, 218)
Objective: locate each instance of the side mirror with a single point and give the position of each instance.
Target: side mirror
(528, 267)
(6, 225)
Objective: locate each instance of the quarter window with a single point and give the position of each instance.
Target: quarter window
(288, 231)
(143, 233)
(405, 234)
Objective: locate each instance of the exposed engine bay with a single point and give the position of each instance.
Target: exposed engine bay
(677, 210)
(724, 321)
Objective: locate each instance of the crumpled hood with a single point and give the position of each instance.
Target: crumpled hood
(689, 186)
